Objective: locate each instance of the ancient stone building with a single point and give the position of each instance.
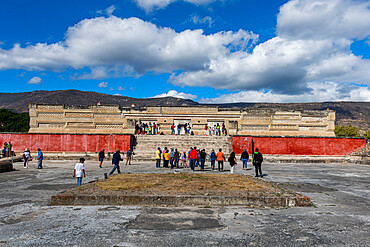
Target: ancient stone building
(106, 119)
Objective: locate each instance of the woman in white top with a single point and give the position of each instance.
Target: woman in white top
(26, 157)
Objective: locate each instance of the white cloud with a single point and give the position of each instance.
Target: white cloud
(324, 19)
(35, 80)
(175, 94)
(117, 94)
(121, 88)
(103, 84)
(108, 11)
(150, 5)
(205, 20)
(320, 92)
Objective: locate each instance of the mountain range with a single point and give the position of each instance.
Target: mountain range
(347, 113)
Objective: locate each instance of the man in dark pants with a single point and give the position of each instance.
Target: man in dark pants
(257, 162)
(115, 161)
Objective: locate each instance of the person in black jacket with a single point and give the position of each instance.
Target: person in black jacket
(115, 161)
(203, 156)
(257, 162)
(244, 157)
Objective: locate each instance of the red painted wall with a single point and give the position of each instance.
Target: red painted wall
(298, 145)
(67, 142)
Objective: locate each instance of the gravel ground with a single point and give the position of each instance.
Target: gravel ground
(341, 215)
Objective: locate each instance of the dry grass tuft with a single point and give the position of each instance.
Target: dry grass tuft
(188, 184)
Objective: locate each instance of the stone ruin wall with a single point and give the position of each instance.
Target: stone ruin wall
(111, 119)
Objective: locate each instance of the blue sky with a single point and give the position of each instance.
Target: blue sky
(206, 50)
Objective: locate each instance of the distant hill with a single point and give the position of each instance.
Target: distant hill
(354, 113)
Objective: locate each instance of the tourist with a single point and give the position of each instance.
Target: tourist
(9, 149)
(172, 157)
(177, 158)
(150, 128)
(197, 161)
(205, 130)
(212, 158)
(166, 158)
(244, 157)
(40, 158)
(203, 156)
(179, 129)
(146, 129)
(257, 160)
(210, 130)
(129, 155)
(115, 161)
(101, 156)
(172, 129)
(158, 157)
(158, 129)
(188, 128)
(232, 161)
(193, 156)
(223, 129)
(137, 129)
(4, 149)
(79, 171)
(220, 158)
(183, 160)
(26, 157)
(164, 151)
(154, 129)
(218, 129)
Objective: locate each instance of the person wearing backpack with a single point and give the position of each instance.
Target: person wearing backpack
(257, 160)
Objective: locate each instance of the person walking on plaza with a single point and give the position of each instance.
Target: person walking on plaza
(79, 171)
(232, 161)
(193, 156)
(257, 160)
(220, 158)
(172, 129)
(166, 159)
(129, 155)
(101, 156)
(158, 157)
(40, 158)
(203, 156)
(212, 158)
(244, 157)
(26, 157)
(115, 161)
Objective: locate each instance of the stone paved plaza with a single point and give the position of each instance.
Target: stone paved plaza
(340, 217)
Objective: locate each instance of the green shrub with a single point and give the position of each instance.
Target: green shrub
(14, 122)
(348, 131)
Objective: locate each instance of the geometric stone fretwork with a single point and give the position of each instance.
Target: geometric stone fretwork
(105, 119)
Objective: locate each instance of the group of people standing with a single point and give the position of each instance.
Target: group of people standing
(172, 158)
(27, 158)
(215, 130)
(147, 129)
(7, 149)
(176, 129)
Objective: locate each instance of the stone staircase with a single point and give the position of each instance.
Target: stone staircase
(147, 144)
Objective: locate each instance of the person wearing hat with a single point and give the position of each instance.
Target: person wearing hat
(26, 157)
(79, 171)
(158, 157)
(257, 160)
(40, 158)
(115, 161)
(244, 157)
(101, 158)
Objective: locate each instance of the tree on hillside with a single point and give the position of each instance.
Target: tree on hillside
(348, 131)
(14, 122)
(366, 135)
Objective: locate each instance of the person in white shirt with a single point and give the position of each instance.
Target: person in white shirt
(79, 171)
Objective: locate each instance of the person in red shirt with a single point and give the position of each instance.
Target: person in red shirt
(205, 129)
(220, 158)
(193, 156)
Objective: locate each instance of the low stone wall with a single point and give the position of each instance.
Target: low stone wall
(72, 143)
(330, 146)
(6, 164)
